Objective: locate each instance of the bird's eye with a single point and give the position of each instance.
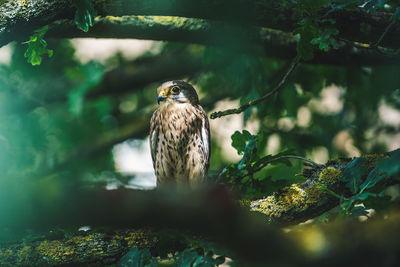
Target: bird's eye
(175, 90)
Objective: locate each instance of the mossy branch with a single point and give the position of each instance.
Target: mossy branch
(81, 249)
(301, 202)
(195, 22)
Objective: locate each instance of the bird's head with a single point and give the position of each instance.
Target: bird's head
(177, 92)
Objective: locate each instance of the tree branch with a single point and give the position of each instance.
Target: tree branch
(243, 107)
(18, 20)
(245, 39)
(301, 202)
(208, 212)
(80, 249)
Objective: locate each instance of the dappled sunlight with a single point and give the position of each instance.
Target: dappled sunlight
(320, 154)
(273, 144)
(330, 100)
(389, 115)
(132, 157)
(5, 54)
(304, 117)
(88, 49)
(223, 128)
(313, 240)
(344, 142)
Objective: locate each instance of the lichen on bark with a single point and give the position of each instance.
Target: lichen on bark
(77, 250)
(302, 201)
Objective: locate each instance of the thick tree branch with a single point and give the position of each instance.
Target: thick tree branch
(82, 249)
(210, 213)
(245, 39)
(300, 202)
(18, 20)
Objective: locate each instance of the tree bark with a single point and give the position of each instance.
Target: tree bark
(94, 248)
(266, 13)
(18, 19)
(301, 202)
(244, 39)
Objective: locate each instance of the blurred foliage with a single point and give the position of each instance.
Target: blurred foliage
(58, 127)
(188, 257)
(85, 14)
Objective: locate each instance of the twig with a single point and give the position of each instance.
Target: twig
(375, 45)
(245, 106)
(278, 158)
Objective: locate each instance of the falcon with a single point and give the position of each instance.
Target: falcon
(179, 136)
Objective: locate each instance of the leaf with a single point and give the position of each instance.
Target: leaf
(138, 258)
(385, 168)
(86, 77)
(363, 196)
(208, 261)
(310, 7)
(85, 14)
(240, 140)
(325, 40)
(379, 203)
(358, 211)
(307, 30)
(250, 154)
(191, 258)
(186, 258)
(353, 173)
(37, 47)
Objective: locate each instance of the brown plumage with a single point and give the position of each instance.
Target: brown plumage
(179, 135)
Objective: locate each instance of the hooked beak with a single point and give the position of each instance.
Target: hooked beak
(160, 98)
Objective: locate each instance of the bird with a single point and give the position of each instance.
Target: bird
(179, 136)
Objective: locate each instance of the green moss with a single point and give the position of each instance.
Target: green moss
(24, 254)
(289, 198)
(295, 198)
(55, 250)
(80, 240)
(244, 203)
(138, 238)
(5, 256)
(329, 175)
(314, 193)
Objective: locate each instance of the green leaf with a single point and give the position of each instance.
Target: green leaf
(325, 40)
(186, 258)
(85, 14)
(363, 196)
(310, 7)
(37, 47)
(191, 258)
(385, 168)
(358, 211)
(138, 258)
(353, 173)
(240, 140)
(379, 203)
(307, 30)
(86, 77)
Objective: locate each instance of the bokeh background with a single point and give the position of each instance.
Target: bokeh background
(83, 114)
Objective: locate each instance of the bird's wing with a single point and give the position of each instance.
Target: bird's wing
(153, 137)
(205, 136)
